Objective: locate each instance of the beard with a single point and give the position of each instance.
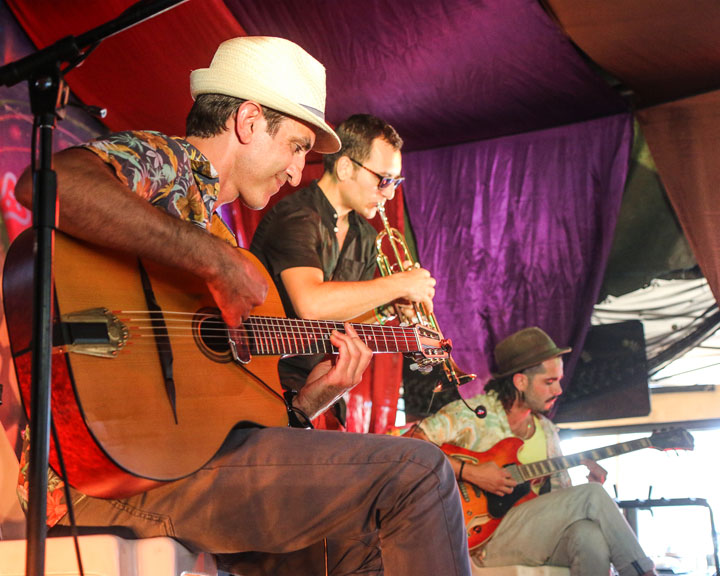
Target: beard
(544, 411)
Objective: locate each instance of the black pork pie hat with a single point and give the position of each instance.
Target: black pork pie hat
(523, 349)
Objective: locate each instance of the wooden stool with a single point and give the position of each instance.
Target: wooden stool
(520, 571)
(106, 555)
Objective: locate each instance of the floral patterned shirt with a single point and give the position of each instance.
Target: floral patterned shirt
(174, 176)
(455, 424)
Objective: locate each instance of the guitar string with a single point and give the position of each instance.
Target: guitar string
(287, 324)
(269, 327)
(310, 333)
(550, 465)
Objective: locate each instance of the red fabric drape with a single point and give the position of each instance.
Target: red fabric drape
(149, 64)
(684, 138)
(372, 405)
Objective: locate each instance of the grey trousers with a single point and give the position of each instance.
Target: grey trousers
(578, 527)
(265, 503)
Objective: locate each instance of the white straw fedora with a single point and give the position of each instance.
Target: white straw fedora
(273, 72)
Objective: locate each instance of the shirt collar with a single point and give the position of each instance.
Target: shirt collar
(198, 162)
(327, 211)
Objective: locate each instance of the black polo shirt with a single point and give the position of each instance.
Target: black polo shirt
(300, 230)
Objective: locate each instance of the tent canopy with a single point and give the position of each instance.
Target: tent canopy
(522, 106)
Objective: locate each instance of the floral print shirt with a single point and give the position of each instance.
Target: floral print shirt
(171, 174)
(456, 424)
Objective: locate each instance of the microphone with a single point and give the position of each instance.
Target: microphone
(96, 111)
(480, 411)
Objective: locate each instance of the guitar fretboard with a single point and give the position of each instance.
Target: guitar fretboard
(551, 465)
(278, 336)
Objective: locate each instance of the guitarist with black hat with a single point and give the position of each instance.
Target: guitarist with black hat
(538, 522)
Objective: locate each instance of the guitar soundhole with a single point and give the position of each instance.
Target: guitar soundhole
(210, 335)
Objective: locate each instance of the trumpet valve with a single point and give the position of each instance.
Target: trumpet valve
(396, 268)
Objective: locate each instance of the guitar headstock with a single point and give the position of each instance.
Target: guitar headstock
(433, 347)
(672, 439)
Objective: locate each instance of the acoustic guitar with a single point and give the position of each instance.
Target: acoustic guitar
(484, 511)
(147, 381)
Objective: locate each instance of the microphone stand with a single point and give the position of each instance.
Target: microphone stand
(48, 97)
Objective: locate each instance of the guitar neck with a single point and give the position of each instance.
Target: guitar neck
(551, 465)
(279, 336)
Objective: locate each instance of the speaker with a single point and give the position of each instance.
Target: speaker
(610, 379)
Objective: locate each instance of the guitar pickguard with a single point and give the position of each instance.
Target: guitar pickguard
(498, 506)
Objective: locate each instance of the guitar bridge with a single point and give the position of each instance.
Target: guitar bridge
(95, 332)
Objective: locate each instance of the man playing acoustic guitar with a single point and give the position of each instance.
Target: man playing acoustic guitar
(579, 527)
(268, 493)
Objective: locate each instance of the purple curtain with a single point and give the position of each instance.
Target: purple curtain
(517, 232)
(442, 72)
(16, 126)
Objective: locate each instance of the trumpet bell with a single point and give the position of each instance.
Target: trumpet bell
(454, 376)
(399, 259)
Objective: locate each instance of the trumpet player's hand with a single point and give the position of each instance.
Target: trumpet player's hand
(405, 312)
(418, 286)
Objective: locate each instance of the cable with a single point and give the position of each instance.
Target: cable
(68, 498)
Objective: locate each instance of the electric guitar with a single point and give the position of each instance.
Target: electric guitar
(147, 380)
(484, 511)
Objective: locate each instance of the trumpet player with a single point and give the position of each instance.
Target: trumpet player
(318, 245)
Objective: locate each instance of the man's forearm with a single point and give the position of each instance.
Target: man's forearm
(347, 300)
(95, 206)
(342, 300)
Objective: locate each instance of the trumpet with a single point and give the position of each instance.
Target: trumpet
(402, 262)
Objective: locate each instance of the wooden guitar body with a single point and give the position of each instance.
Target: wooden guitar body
(115, 423)
(147, 380)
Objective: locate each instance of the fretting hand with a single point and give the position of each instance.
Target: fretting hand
(334, 376)
(596, 472)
